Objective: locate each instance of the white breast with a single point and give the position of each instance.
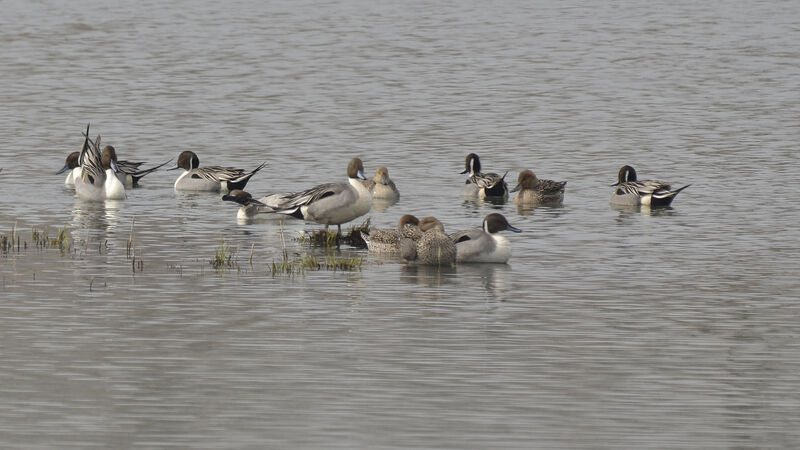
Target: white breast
(114, 188)
(501, 253)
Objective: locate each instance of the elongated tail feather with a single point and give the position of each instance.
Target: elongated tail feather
(664, 197)
(241, 182)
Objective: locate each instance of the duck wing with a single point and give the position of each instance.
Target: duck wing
(642, 188)
(486, 180)
(551, 187)
(217, 173)
(292, 202)
(465, 235)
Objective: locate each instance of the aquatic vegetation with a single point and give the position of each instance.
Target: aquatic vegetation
(351, 263)
(40, 239)
(130, 251)
(354, 235)
(319, 238)
(224, 257)
(302, 262)
(307, 262)
(60, 241)
(328, 238)
(130, 245)
(6, 244)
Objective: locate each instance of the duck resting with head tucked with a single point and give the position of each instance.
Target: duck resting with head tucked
(433, 248)
(386, 241)
(632, 192)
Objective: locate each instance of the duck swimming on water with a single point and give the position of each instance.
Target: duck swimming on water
(481, 184)
(632, 192)
(209, 178)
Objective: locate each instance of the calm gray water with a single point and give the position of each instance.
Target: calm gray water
(607, 329)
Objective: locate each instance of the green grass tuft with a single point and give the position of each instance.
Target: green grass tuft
(224, 257)
(328, 238)
(300, 264)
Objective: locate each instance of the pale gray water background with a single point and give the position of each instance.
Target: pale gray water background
(608, 329)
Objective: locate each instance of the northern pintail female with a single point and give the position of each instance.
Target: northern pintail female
(73, 166)
(129, 173)
(209, 178)
(484, 244)
(381, 186)
(386, 241)
(331, 203)
(631, 192)
(480, 184)
(533, 191)
(96, 183)
(434, 247)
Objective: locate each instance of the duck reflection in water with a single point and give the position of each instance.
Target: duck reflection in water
(494, 279)
(428, 275)
(96, 215)
(629, 211)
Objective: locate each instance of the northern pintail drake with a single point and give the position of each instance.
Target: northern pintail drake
(381, 186)
(534, 191)
(209, 178)
(250, 207)
(95, 182)
(128, 173)
(331, 203)
(481, 184)
(632, 192)
(484, 244)
(433, 248)
(386, 241)
(73, 166)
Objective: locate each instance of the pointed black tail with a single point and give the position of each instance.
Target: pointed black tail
(664, 198)
(241, 182)
(136, 176)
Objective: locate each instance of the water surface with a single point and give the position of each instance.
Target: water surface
(608, 328)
